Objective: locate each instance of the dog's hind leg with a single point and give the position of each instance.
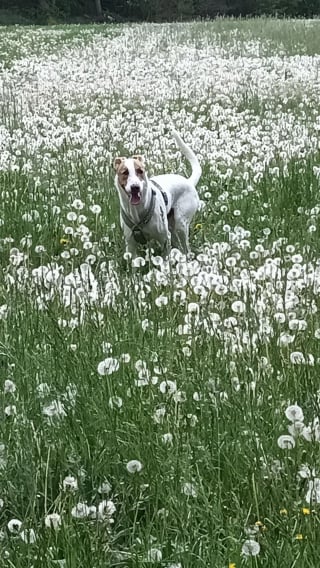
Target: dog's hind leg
(180, 237)
(167, 246)
(131, 246)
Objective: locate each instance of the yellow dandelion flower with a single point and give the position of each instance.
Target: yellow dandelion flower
(232, 565)
(198, 226)
(299, 536)
(260, 525)
(283, 512)
(64, 241)
(306, 510)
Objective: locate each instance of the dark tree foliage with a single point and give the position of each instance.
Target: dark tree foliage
(156, 10)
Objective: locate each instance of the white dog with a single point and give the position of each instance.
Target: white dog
(159, 208)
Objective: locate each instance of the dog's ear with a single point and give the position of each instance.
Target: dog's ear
(139, 158)
(117, 162)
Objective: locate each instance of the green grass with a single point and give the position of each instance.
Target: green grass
(231, 380)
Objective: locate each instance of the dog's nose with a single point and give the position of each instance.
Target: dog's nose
(135, 187)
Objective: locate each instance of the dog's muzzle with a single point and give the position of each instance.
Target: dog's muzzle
(135, 195)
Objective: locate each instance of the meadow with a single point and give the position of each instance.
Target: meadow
(160, 412)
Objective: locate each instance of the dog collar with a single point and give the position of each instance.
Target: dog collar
(163, 193)
(136, 228)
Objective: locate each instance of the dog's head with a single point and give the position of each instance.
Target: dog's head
(131, 177)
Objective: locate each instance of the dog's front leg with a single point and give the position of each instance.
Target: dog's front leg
(131, 246)
(166, 247)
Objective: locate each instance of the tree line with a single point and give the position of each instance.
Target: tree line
(46, 11)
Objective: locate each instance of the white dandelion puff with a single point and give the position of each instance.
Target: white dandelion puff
(296, 429)
(313, 493)
(297, 358)
(80, 511)
(134, 466)
(189, 489)
(9, 386)
(70, 483)
(154, 555)
(53, 520)
(167, 439)
(106, 509)
(28, 536)
(286, 442)
(294, 413)
(238, 307)
(168, 387)
(14, 525)
(108, 366)
(250, 547)
(54, 410)
(105, 487)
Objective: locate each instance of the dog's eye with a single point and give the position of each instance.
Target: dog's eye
(125, 172)
(139, 171)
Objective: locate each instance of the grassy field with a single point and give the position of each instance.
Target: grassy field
(167, 415)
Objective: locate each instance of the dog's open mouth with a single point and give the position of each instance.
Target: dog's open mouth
(135, 196)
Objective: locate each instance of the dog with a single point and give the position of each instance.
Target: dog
(160, 208)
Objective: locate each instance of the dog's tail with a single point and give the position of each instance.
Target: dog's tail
(188, 153)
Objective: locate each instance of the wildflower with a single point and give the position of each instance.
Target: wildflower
(154, 555)
(134, 466)
(168, 387)
(296, 429)
(159, 415)
(77, 204)
(43, 389)
(294, 413)
(167, 439)
(28, 536)
(106, 509)
(106, 347)
(10, 410)
(115, 402)
(312, 432)
(108, 366)
(286, 442)
(64, 241)
(80, 511)
(14, 525)
(96, 209)
(138, 262)
(9, 386)
(232, 565)
(161, 301)
(105, 487)
(72, 216)
(305, 510)
(260, 525)
(250, 548)
(125, 357)
(189, 489)
(285, 339)
(53, 520)
(299, 536)
(54, 410)
(198, 226)
(313, 493)
(70, 483)
(238, 307)
(283, 512)
(297, 358)
(304, 472)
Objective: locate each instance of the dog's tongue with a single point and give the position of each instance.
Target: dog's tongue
(135, 198)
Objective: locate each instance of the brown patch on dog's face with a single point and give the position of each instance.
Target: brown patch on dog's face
(122, 171)
(117, 161)
(139, 166)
